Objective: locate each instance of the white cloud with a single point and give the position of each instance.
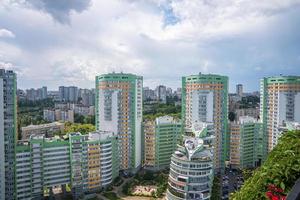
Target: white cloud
(131, 36)
(6, 33)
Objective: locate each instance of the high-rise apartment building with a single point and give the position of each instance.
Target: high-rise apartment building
(245, 143)
(205, 99)
(119, 109)
(279, 103)
(239, 90)
(148, 94)
(191, 169)
(161, 93)
(8, 132)
(86, 163)
(36, 94)
(161, 138)
(169, 92)
(68, 94)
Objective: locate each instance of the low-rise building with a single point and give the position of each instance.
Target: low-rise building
(161, 139)
(251, 112)
(47, 130)
(192, 169)
(83, 163)
(245, 143)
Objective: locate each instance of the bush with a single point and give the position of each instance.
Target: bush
(282, 168)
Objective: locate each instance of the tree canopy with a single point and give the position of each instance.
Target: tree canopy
(282, 168)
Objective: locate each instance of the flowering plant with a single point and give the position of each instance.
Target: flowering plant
(275, 193)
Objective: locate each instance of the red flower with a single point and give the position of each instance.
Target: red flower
(271, 187)
(269, 194)
(275, 197)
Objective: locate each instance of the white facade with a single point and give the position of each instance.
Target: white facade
(202, 106)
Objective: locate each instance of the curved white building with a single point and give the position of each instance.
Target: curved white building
(191, 168)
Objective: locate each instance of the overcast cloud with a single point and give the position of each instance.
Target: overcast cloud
(69, 42)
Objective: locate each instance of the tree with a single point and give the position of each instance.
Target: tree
(282, 169)
(216, 189)
(231, 116)
(78, 118)
(82, 128)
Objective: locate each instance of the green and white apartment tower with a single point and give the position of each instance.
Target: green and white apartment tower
(161, 137)
(205, 99)
(80, 163)
(8, 132)
(119, 109)
(279, 104)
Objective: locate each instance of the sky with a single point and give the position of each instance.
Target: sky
(69, 42)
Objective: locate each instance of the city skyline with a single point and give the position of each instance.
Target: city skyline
(60, 46)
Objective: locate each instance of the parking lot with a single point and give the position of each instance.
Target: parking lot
(232, 180)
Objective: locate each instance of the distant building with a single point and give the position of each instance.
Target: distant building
(87, 97)
(279, 103)
(36, 94)
(84, 110)
(54, 95)
(191, 169)
(8, 132)
(239, 90)
(161, 138)
(169, 92)
(68, 94)
(21, 94)
(161, 93)
(148, 94)
(252, 112)
(49, 115)
(245, 143)
(86, 163)
(52, 115)
(46, 130)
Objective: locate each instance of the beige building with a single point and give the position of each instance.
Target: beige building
(161, 138)
(245, 143)
(252, 112)
(46, 130)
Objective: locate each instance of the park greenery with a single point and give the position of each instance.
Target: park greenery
(151, 111)
(82, 128)
(158, 179)
(249, 102)
(282, 169)
(31, 112)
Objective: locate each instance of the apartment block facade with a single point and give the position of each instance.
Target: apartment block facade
(83, 163)
(119, 109)
(245, 143)
(205, 99)
(279, 103)
(8, 132)
(161, 138)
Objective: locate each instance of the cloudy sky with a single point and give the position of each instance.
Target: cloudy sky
(68, 42)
